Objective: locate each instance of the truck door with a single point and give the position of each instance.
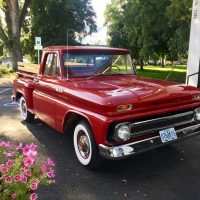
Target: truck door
(44, 89)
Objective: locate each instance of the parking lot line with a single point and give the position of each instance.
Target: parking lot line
(4, 90)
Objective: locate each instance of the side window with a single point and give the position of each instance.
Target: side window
(51, 66)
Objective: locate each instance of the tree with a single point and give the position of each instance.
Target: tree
(141, 25)
(151, 29)
(12, 18)
(146, 26)
(114, 19)
(53, 19)
(179, 18)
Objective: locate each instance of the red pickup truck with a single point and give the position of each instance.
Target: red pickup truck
(113, 112)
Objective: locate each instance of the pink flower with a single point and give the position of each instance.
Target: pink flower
(32, 153)
(33, 196)
(22, 170)
(29, 150)
(17, 178)
(50, 162)
(28, 161)
(23, 179)
(8, 179)
(51, 173)
(28, 173)
(14, 196)
(19, 146)
(25, 150)
(44, 168)
(4, 169)
(33, 147)
(10, 163)
(6, 144)
(33, 186)
(8, 154)
(37, 181)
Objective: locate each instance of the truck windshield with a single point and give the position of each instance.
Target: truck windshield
(89, 65)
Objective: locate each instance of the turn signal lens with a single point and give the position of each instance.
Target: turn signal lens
(124, 107)
(196, 97)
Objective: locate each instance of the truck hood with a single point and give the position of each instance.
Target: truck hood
(138, 91)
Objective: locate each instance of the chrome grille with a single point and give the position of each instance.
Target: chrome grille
(155, 125)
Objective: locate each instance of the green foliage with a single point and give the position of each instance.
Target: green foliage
(179, 18)
(5, 70)
(151, 29)
(52, 19)
(114, 18)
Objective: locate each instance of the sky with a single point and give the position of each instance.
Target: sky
(99, 37)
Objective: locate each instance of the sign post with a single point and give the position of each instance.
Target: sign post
(193, 68)
(38, 46)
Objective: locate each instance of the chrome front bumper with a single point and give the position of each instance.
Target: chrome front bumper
(126, 150)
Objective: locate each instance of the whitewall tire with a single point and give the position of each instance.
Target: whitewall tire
(25, 114)
(85, 146)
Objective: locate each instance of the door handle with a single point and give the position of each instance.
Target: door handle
(58, 89)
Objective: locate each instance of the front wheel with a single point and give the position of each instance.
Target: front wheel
(26, 115)
(85, 146)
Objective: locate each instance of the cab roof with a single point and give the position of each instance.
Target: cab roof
(87, 49)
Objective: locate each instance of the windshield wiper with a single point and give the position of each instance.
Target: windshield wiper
(109, 74)
(95, 75)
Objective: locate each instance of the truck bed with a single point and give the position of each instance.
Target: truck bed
(27, 69)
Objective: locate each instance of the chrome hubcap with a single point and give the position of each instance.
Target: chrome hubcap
(24, 110)
(83, 144)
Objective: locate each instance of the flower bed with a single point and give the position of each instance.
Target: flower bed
(20, 174)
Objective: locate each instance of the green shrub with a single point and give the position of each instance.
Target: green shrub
(5, 70)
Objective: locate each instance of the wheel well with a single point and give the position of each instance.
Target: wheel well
(71, 119)
(18, 95)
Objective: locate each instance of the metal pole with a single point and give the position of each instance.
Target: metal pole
(38, 56)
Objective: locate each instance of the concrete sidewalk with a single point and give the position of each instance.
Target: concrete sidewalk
(6, 82)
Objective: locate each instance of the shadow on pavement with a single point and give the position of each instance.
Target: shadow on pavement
(115, 179)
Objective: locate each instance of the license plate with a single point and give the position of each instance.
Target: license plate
(168, 135)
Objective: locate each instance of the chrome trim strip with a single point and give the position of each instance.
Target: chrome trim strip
(163, 118)
(122, 151)
(162, 128)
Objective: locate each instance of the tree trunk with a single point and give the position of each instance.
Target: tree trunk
(141, 65)
(16, 56)
(14, 17)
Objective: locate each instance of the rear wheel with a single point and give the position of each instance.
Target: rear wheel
(85, 146)
(26, 115)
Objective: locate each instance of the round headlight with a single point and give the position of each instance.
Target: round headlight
(197, 114)
(124, 132)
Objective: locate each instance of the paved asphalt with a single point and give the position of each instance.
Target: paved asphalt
(169, 173)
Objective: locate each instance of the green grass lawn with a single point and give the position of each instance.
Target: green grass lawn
(157, 72)
(6, 72)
